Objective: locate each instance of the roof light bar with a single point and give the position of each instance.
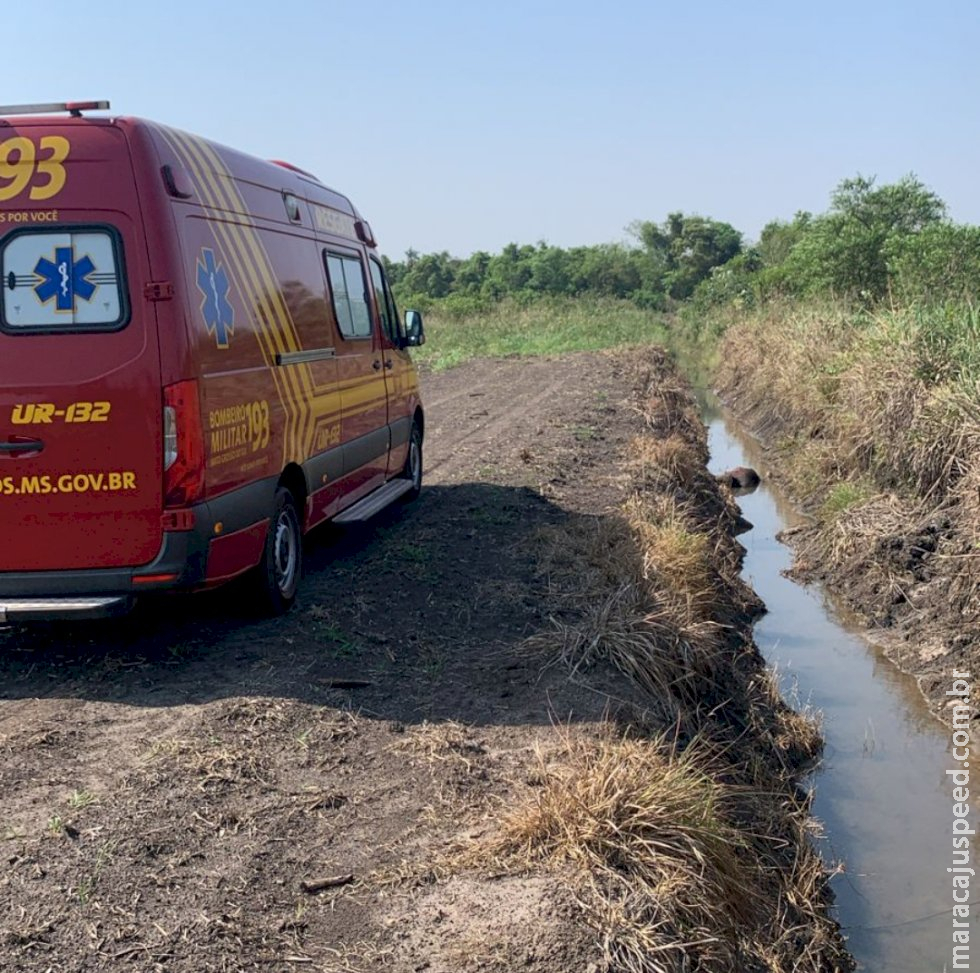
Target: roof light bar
(292, 168)
(75, 107)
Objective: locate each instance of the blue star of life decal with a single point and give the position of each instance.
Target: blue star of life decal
(212, 282)
(64, 279)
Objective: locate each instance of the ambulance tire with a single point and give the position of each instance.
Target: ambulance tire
(277, 575)
(413, 464)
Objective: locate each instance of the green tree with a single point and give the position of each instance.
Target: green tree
(683, 250)
(778, 238)
(471, 273)
(509, 272)
(846, 250)
(550, 271)
(394, 271)
(608, 269)
(431, 275)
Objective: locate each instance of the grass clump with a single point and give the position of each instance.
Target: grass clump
(842, 496)
(676, 867)
(646, 829)
(677, 558)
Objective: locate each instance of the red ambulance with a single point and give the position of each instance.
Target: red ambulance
(200, 360)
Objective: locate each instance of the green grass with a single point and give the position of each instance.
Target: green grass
(845, 495)
(413, 553)
(78, 800)
(343, 647)
(546, 327)
(87, 884)
(948, 342)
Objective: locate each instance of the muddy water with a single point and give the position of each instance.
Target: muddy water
(881, 790)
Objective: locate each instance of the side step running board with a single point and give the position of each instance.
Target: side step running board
(374, 502)
(54, 609)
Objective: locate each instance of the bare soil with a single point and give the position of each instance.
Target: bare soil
(197, 789)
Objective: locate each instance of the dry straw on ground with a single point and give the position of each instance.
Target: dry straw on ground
(669, 872)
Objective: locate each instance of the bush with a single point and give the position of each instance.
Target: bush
(845, 252)
(732, 283)
(938, 265)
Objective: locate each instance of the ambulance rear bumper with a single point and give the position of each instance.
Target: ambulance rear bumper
(180, 564)
(61, 609)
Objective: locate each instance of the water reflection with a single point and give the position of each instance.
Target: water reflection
(881, 790)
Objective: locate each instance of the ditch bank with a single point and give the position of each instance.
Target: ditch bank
(886, 466)
(682, 828)
(521, 724)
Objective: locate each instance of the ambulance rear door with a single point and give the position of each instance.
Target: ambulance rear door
(80, 398)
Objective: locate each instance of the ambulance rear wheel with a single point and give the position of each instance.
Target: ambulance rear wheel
(279, 571)
(413, 464)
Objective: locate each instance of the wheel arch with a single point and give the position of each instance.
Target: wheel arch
(294, 480)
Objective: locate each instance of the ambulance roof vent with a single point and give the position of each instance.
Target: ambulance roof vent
(75, 108)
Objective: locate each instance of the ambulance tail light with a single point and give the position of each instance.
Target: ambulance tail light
(183, 445)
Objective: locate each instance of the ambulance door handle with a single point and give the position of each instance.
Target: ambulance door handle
(21, 447)
(376, 365)
(389, 363)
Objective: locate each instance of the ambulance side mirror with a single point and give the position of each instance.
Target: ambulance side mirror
(414, 331)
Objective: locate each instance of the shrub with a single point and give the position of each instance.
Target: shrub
(938, 265)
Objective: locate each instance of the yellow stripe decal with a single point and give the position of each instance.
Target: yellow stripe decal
(226, 225)
(308, 406)
(299, 376)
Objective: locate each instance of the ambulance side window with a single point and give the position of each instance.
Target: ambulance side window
(386, 304)
(348, 291)
(62, 280)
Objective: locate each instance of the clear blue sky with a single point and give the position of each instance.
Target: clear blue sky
(464, 126)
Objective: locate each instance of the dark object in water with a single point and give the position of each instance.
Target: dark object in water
(740, 478)
(742, 526)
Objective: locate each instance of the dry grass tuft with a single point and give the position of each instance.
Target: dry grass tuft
(672, 664)
(678, 561)
(663, 461)
(965, 561)
(640, 594)
(676, 869)
(792, 732)
(670, 409)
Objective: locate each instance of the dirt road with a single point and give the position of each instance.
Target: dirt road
(384, 778)
(170, 781)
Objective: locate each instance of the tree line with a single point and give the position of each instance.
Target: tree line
(875, 243)
(665, 264)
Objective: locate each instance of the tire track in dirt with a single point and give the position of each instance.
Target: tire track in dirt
(169, 779)
(504, 405)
